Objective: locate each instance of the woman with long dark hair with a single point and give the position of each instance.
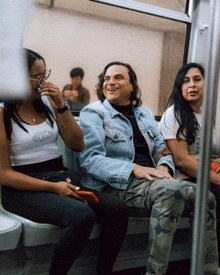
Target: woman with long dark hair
(181, 126)
(30, 162)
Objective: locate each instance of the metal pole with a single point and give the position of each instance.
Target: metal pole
(209, 108)
(51, 4)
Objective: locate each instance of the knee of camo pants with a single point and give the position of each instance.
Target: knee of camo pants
(211, 248)
(168, 204)
(191, 196)
(168, 197)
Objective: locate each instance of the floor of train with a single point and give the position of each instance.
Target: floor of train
(175, 268)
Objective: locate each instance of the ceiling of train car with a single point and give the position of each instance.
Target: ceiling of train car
(120, 14)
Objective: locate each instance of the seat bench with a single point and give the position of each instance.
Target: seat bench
(10, 232)
(38, 240)
(37, 243)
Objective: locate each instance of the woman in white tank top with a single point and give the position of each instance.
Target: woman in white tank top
(29, 150)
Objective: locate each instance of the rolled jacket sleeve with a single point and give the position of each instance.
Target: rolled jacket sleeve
(161, 154)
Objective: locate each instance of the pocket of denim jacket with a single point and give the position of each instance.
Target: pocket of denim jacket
(115, 142)
(115, 135)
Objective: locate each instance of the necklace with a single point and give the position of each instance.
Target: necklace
(32, 118)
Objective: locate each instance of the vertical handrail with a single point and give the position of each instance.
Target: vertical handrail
(209, 108)
(51, 4)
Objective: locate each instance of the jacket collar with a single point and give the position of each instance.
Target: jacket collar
(137, 111)
(110, 109)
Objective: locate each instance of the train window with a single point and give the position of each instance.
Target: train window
(90, 34)
(179, 5)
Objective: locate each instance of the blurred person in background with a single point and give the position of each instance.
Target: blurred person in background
(75, 94)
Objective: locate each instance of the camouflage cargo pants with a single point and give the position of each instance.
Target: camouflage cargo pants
(168, 198)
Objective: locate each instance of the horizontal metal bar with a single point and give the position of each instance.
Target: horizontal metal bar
(147, 9)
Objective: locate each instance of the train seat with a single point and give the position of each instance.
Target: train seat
(37, 237)
(34, 234)
(10, 232)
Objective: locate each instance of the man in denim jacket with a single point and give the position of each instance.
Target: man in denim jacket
(125, 155)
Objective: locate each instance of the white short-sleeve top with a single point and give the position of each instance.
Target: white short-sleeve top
(39, 144)
(169, 126)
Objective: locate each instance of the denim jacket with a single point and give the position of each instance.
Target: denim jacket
(109, 149)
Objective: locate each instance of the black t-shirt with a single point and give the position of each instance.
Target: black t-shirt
(142, 155)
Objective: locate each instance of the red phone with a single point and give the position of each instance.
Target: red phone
(214, 166)
(87, 195)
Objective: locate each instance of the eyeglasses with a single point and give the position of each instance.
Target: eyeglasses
(40, 78)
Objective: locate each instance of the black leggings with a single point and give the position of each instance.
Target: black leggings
(77, 219)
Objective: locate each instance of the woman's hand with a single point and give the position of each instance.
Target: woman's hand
(215, 165)
(147, 172)
(66, 189)
(53, 92)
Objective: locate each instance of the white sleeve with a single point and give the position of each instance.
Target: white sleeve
(169, 125)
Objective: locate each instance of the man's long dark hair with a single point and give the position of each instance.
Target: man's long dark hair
(135, 95)
(182, 110)
(10, 110)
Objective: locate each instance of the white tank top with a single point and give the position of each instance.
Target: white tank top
(39, 144)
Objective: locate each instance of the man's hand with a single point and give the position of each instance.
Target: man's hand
(147, 172)
(74, 95)
(71, 94)
(164, 171)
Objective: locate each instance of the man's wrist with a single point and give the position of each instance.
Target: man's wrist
(168, 167)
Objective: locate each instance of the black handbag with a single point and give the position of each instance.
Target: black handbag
(73, 178)
(63, 175)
